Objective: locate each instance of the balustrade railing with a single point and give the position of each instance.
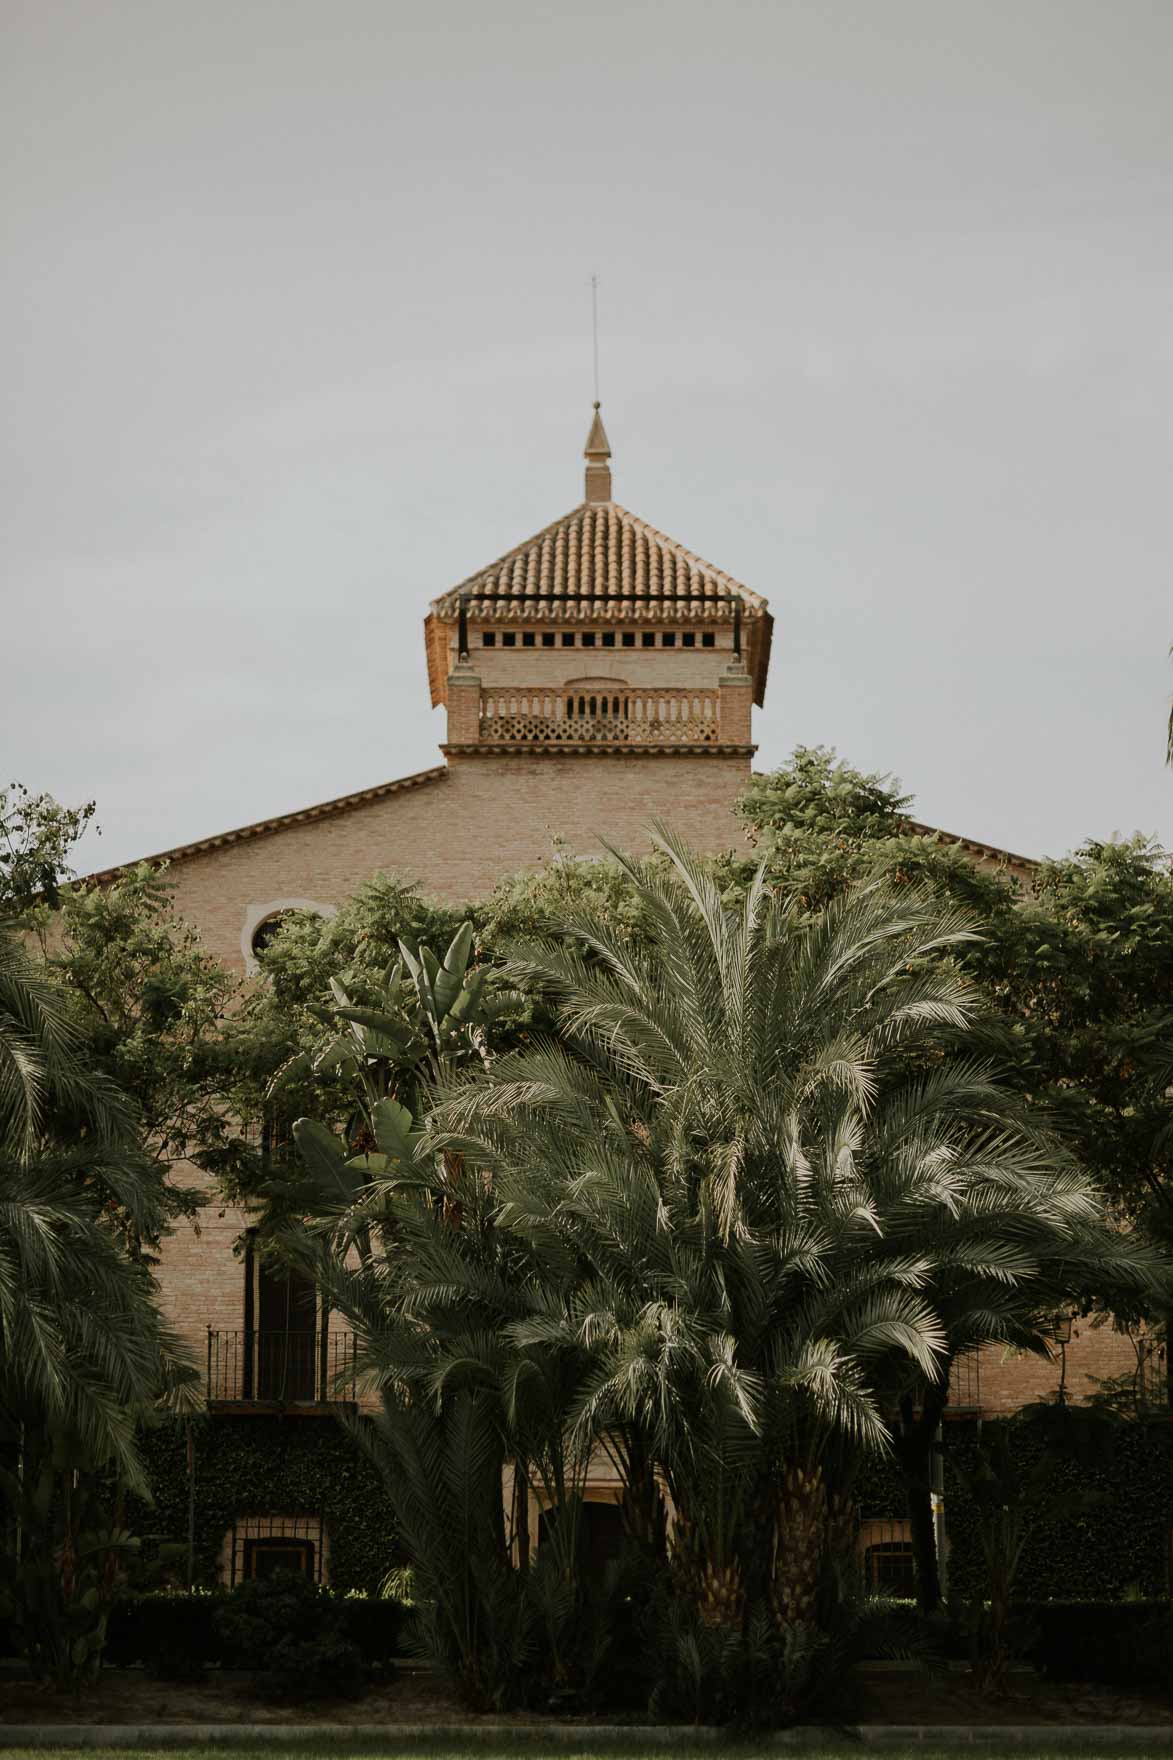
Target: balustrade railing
(287, 1368)
(598, 716)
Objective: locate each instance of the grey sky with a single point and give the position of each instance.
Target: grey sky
(297, 322)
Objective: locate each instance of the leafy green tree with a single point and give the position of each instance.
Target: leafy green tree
(153, 1005)
(400, 1237)
(37, 836)
(756, 1152)
(1077, 971)
(1077, 965)
(84, 1356)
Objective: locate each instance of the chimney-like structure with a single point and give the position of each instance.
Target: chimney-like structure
(597, 453)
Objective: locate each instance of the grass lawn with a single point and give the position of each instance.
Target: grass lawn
(833, 1749)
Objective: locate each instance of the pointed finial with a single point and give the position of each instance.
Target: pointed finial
(597, 453)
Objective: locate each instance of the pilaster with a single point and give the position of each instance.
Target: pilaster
(736, 688)
(464, 705)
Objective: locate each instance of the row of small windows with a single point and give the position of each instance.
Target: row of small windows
(589, 639)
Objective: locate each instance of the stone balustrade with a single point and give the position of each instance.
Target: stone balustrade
(606, 714)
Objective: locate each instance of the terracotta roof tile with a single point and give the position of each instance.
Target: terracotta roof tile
(604, 555)
(600, 563)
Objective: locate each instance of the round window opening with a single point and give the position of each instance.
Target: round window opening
(267, 932)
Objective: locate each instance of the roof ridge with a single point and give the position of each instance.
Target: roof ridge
(754, 600)
(689, 555)
(261, 827)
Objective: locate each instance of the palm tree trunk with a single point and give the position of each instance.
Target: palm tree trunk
(801, 1515)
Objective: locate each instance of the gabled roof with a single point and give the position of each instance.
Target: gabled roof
(600, 563)
(974, 847)
(346, 803)
(343, 803)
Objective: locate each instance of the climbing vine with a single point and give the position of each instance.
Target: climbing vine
(260, 1465)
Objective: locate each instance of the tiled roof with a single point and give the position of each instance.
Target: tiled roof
(343, 803)
(974, 847)
(600, 563)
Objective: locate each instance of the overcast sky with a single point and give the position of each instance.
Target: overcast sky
(296, 313)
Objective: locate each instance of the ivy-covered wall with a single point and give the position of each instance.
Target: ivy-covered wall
(260, 1465)
(879, 1491)
(1117, 1547)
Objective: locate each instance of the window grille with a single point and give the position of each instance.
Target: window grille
(254, 1545)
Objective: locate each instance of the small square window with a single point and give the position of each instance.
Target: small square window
(489, 638)
(688, 639)
(708, 639)
(547, 638)
(608, 638)
(648, 639)
(668, 639)
(629, 638)
(509, 639)
(527, 638)
(568, 638)
(588, 639)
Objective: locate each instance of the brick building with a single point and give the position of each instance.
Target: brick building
(596, 677)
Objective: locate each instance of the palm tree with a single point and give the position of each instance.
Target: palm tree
(43, 1071)
(82, 1346)
(756, 1151)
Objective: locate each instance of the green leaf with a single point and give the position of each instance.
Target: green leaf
(377, 1021)
(393, 1129)
(323, 1155)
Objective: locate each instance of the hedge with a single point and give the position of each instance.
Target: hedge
(148, 1628)
(262, 1465)
(1115, 1550)
(1119, 1643)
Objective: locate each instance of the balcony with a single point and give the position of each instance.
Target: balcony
(613, 715)
(265, 1370)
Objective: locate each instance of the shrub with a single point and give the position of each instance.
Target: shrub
(1119, 1643)
(294, 1635)
(178, 1636)
(376, 1625)
(173, 1636)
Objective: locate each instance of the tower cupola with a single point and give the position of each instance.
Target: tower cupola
(599, 635)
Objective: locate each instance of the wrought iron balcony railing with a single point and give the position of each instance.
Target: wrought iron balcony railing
(255, 1365)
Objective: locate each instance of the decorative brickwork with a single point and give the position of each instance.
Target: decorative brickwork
(602, 712)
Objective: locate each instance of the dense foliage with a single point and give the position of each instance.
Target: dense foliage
(253, 1466)
(84, 1356)
(708, 1169)
(751, 1184)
